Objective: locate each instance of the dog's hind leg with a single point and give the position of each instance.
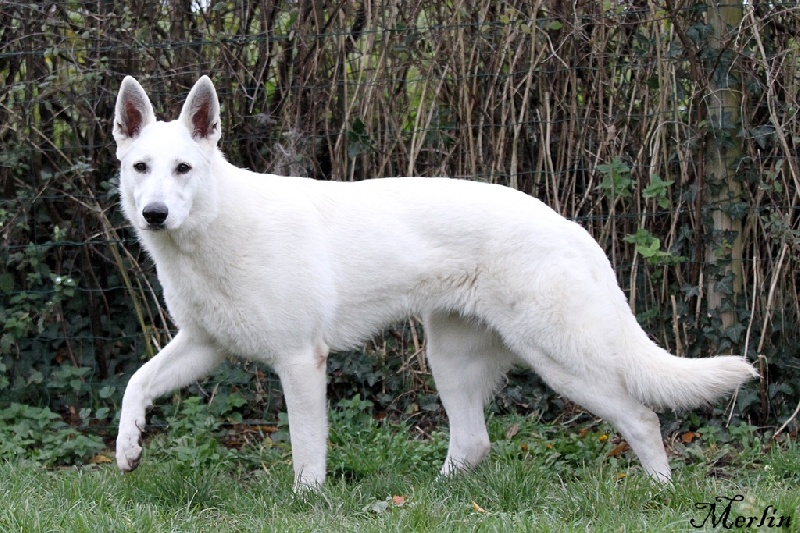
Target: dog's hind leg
(602, 392)
(185, 359)
(467, 362)
(303, 379)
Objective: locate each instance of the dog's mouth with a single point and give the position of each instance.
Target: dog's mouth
(155, 227)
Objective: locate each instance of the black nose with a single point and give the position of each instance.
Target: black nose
(155, 213)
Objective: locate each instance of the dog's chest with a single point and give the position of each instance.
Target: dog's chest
(209, 298)
(242, 302)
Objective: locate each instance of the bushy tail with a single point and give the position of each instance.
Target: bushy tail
(660, 379)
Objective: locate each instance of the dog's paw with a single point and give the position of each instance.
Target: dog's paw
(129, 450)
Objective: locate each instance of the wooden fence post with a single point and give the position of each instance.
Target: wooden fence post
(724, 151)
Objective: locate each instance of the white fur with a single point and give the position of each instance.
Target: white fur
(284, 269)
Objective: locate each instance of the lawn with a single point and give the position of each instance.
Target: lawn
(382, 477)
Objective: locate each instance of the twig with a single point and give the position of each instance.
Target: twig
(788, 421)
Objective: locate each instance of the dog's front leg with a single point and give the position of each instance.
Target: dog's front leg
(185, 359)
(303, 379)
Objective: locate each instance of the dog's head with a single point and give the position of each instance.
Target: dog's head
(165, 166)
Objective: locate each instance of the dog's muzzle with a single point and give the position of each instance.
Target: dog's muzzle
(155, 214)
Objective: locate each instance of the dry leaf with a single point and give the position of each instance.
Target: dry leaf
(477, 508)
(618, 449)
(512, 430)
(377, 507)
(689, 436)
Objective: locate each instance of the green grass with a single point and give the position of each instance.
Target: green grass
(538, 478)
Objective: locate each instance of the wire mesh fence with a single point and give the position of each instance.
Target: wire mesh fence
(667, 128)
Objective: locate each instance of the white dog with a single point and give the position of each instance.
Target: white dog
(285, 269)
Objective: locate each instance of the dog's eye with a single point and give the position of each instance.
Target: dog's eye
(140, 167)
(182, 168)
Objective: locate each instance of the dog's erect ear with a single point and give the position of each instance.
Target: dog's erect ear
(133, 112)
(200, 113)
